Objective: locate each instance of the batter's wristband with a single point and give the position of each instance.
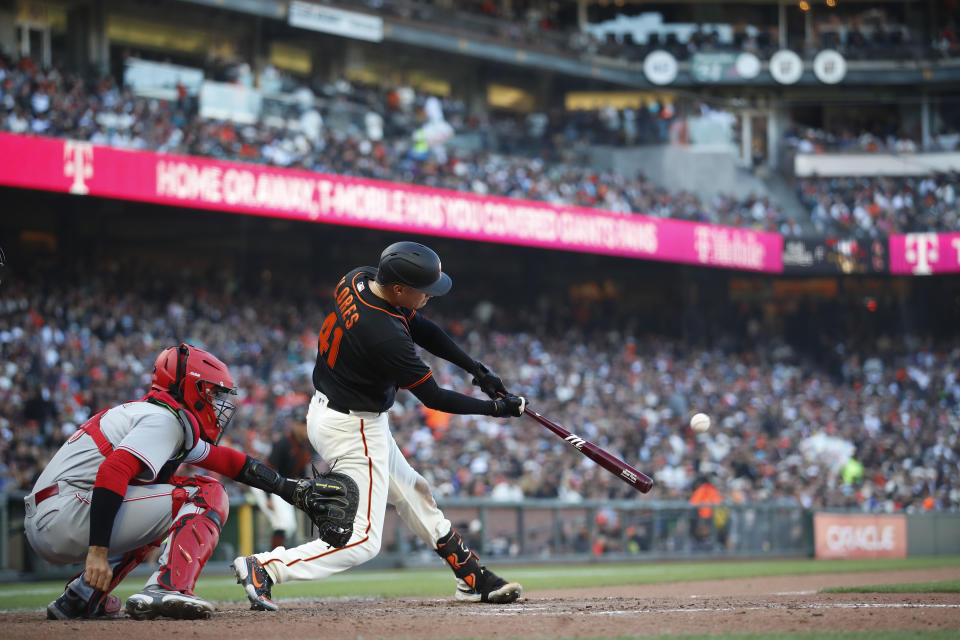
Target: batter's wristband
(104, 505)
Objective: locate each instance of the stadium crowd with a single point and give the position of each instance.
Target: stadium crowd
(876, 138)
(392, 144)
(879, 206)
(786, 423)
(876, 32)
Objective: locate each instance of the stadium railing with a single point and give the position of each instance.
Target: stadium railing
(589, 531)
(528, 530)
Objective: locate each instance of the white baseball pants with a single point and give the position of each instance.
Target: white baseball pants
(360, 445)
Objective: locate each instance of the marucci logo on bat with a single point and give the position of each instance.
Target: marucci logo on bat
(614, 465)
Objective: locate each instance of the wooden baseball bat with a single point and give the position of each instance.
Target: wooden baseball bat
(639, 481)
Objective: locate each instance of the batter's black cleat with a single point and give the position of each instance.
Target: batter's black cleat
(70, 606)
(256, 582)
(155, 601)
(489, 588)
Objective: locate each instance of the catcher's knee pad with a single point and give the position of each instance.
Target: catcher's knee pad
(210, 494)
(194, 535)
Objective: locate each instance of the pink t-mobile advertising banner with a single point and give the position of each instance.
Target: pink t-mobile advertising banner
(924, 254)
(82, 168)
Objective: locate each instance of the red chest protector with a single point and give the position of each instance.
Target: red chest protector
(189, 423)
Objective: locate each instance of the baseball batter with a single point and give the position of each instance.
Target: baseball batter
(109, 494)
(366, 351)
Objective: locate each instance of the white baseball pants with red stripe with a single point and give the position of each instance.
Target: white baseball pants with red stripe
(360, 445)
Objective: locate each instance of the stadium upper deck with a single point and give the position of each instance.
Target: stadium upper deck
(288, 89)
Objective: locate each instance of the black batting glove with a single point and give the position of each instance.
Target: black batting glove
(489, 382)
(509, 405)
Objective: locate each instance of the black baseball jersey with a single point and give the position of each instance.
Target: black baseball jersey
(365, 351)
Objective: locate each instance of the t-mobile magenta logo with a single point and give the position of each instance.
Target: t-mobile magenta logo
(78, 164)
(922, 249)
(701, 243)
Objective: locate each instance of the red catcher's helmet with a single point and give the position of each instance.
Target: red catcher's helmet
(203, 383)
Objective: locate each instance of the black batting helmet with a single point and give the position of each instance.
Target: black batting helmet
(413, 265)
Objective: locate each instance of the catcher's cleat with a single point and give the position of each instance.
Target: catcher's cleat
(490, 588)
(256, 582)
(70, 606)
(155, 601)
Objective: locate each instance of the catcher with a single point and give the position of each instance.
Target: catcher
(109, 494)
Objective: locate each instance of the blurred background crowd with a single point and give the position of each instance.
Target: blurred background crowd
(790, 407)
(858, 31)
(880, 206)
(388, 133)
(372, 132)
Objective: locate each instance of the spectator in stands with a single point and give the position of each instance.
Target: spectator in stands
(946, 43)
(709, 520)
(874, 137)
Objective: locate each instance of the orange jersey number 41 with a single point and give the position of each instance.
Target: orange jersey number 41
(327, 345)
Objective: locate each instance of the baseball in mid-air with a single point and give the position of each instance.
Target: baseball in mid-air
(700, 422)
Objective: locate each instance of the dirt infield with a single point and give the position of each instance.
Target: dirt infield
(782, 604)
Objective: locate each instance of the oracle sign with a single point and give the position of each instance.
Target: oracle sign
(924, 254)
(86, 169)
(860, 535)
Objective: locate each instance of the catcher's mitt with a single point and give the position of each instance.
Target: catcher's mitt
(330, 500)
